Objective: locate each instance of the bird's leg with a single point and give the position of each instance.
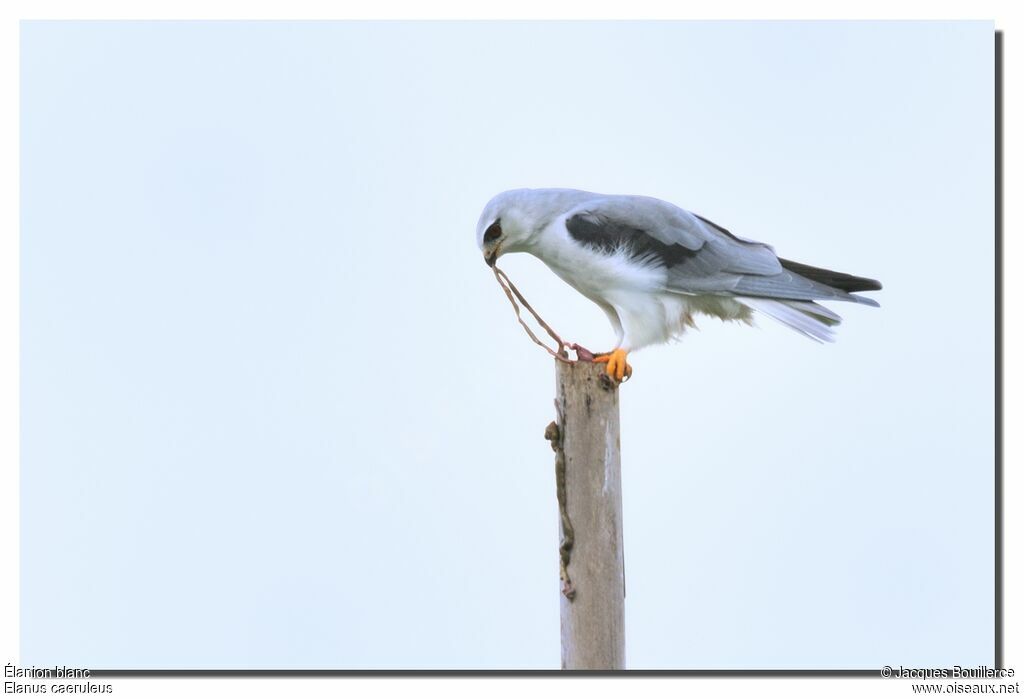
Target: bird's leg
(618, 368)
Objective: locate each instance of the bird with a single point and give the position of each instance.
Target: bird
(652, 266)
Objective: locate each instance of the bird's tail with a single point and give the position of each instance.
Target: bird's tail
(836, 280)
(806, 317)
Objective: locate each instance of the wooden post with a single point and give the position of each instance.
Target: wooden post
(586, 444)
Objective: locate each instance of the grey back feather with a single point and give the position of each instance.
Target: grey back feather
(699, 257)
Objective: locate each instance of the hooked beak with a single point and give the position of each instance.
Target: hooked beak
(491, 256)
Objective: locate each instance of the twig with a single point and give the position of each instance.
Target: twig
(509, 288)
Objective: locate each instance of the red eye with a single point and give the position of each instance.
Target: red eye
(493, 232)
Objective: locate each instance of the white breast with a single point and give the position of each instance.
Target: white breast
(632, 292)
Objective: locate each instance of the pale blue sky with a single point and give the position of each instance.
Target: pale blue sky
(277, 414)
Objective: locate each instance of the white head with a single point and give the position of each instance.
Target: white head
(503, 226)
(514, 220)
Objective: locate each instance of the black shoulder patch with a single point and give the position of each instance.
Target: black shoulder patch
(607, 236)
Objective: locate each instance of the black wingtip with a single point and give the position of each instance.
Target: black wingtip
(837, 280)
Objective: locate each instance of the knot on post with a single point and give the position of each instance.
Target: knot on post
(553, 434)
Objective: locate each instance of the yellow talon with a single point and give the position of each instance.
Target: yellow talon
(618, 368)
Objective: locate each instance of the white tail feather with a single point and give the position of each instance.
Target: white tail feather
(811, 308)
(805, 317)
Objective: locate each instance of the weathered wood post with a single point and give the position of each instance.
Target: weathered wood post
(585, 438)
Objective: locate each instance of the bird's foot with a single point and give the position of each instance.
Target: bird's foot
(582, 353)
(618, 368)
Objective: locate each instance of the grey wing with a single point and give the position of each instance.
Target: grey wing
(699, 257)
